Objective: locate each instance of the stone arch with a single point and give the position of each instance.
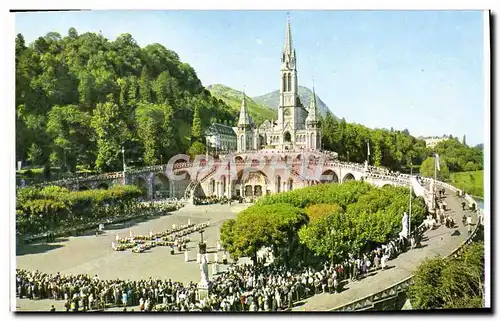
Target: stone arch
(142, 184)
(277, 184)
(290, 184)
(253, 184)
(161, 186)
(386, 185)
(212, 186)
(348, 177)
(329, 176)
(103, 185)
(287, 137)
(312, 141)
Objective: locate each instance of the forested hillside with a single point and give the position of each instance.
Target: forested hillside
(80, 98)
(395, 149)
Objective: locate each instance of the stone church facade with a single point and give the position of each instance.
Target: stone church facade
(297, 125)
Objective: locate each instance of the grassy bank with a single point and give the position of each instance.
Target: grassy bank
(471, 182)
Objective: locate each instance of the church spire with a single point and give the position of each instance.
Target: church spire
(288, 48)
(313, 109)
(244, 120)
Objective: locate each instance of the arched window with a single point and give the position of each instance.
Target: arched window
(289, 82)
(284, 82)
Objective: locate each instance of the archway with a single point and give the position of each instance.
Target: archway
(348, 177)
(179, 185)
(212, 186)
(102, 186)
(277, 185)
(161, 186)
(287, 137)
(253, 183)
(290, 184)
(329, 176)
(141, 183)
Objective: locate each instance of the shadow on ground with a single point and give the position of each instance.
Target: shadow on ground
(26, 249)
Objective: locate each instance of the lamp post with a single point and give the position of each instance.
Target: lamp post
(124, 166)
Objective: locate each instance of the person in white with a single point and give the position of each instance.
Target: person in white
(113, 245)
(198, 258)
(383, 261)
(117, 237)
(151, 233)
(186, 256)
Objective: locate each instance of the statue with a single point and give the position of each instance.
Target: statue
(404, 231)
(204, 272)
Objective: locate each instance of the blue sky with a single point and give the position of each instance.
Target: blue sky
(421, 70)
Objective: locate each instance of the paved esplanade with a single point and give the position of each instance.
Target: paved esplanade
(93, 255)
(440, 242)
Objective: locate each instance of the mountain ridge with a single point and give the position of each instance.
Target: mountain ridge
(233, 97)
(271, 100)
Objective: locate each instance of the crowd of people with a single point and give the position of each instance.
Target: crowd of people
(258, 287)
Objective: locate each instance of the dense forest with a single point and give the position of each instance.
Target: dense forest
(394, 149)
(80, 98)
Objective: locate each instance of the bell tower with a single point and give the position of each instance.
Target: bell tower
(287, 109)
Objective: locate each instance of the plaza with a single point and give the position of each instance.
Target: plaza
(93, 255)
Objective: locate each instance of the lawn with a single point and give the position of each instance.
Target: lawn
(471, 182)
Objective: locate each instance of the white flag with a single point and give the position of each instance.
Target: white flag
(368, 148)
(436, 161)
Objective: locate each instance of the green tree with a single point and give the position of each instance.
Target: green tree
(268, 225)
(196, 149)
(427, 168)
(112, 133)
(196, 130)
(35, 154)
(70, 130)
(450, 283)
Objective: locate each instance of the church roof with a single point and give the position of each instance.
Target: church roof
(220, 129)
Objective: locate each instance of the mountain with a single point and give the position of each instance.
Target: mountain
(272, 99)
(232, 98)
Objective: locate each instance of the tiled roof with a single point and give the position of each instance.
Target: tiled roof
(220, 129)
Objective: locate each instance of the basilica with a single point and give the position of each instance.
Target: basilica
(296, 127)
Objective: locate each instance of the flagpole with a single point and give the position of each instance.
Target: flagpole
(409, 220)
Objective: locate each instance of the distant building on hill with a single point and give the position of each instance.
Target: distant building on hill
(432, 141)
(221, 137)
